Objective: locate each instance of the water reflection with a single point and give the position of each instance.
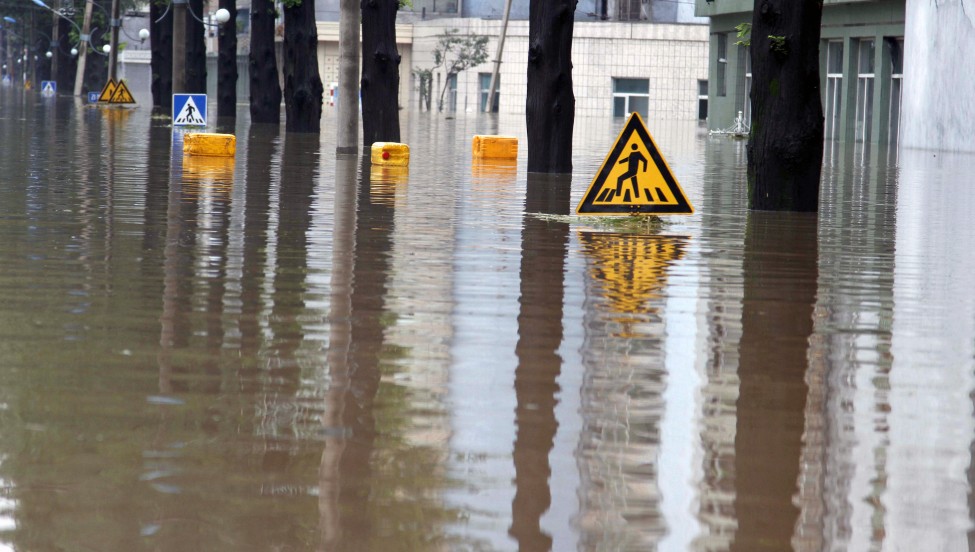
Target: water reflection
(543, 246)
(780, 270)
(292, 351)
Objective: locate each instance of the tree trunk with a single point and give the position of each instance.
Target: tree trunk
(348, 104)
(785, 151)
(196, 52)
(380, 72)
(264, 86)
(302, 83)
(161, 62)
(227, 63)
(550, 104)
(67, 64)
(96, 66)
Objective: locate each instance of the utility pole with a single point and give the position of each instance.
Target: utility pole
(348, 123)
(113, 42)
(489, 106)
(79, 76)
(55, 40)
(179, 46)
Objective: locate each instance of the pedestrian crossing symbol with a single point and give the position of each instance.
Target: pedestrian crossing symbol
(189, 109)
(49, 88)
(122, 94)
(115, 93)
(634, 179)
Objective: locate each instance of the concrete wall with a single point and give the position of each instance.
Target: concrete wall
(938, 110)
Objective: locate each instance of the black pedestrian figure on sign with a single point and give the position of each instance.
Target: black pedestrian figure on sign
(189, 114)
(634, 160)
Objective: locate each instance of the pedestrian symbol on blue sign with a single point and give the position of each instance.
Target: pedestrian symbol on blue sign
(93, 97)
(49, 88)
(189, 109)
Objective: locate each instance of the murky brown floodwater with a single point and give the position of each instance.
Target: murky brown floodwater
(294, 352)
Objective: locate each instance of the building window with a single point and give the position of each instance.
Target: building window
(485, 81)
(834, 88)
(744, 101)
(722, 64)
(702, 99)
(424, 7)
(865, 76)
(896, 89)
(631, 95)
(452, 93)
(633, 10)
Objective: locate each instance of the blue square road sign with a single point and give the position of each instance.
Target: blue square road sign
(189, 110)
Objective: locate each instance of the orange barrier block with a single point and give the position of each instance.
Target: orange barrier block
(495, 147)
(204, 143)
(390, 154)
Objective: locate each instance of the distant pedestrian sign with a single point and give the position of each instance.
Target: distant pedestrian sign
(189, 109)
(634, 179)
(93, 97)
(49, 88)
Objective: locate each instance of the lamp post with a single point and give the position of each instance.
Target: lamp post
(84, 36)
(115, 23)
(180, 9)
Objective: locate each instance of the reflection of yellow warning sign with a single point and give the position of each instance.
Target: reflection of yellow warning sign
(116, 93)
(634, 179)
(630, 270)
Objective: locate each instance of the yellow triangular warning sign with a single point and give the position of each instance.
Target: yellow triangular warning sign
(122, 94)
(634, 179)
(106, 95)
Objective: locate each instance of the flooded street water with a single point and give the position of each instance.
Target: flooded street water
(290, 351)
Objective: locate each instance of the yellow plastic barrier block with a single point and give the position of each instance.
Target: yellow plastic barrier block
(495, 147)
(205, 143)
(390, 154)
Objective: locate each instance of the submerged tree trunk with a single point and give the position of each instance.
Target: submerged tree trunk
(265, 88)
(67, 64)
(302, 83)
(161, 62)
(550, 105)
(196, 51)
(380, 72)
(227, 63)
(785, 151)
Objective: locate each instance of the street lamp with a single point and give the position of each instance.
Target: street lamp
(180, 9)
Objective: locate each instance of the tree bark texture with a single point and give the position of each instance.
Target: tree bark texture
(785, 151)
(67, 64)
(196, 51)
(380, 72)
(227, 63)
(550, 104)
(161, 62)
(265, 89)
(302, 84)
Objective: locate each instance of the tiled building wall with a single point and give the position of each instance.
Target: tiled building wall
(672, 57)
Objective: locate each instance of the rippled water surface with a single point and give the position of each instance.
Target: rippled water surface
(290, 351)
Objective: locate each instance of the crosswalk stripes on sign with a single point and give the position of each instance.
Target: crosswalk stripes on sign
(189, 109)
